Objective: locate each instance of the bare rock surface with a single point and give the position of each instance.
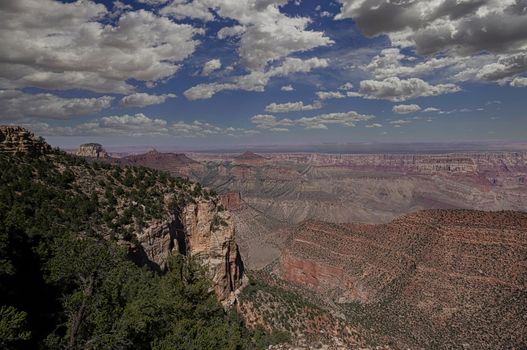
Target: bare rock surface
(199, 231)
(92, 150)
(15, 139)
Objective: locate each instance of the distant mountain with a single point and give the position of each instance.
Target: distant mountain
(177, 164)
(249, 156)
(156, 158)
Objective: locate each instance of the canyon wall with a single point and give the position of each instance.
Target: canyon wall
(440, 277)
(203, 232)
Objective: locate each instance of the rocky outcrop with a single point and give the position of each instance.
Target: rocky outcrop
(209, 236)
(15, 139)
(200, 231)
(92, 150)
(232, 201)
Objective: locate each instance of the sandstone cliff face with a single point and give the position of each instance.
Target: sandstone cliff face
(92, 150)
(209, 235)
(200, 230)
(15, 139)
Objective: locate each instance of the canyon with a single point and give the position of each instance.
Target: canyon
(284, 189)
(435, 278)
(399, 250)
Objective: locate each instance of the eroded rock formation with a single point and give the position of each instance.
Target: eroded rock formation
(200, 230)
(92, 150)
(15, 139)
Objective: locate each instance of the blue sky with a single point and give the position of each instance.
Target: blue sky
(205, 74)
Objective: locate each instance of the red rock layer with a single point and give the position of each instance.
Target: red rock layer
(439, 274)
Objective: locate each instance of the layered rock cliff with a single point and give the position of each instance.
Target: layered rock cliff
(92, 150)
(15, 139)
(199, 230)
(439, 278)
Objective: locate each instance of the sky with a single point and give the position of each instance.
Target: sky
(201, 74)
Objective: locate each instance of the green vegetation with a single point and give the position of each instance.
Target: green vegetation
(66, 281)
(285, 311)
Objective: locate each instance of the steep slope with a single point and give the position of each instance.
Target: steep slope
(436, 278)
(152, 213)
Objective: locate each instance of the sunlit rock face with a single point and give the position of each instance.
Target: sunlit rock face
(15, 139)
(200, 230)
(92, 150)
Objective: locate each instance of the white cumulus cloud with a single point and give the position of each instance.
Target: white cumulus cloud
(406, 109)
(256, 80)
(17, 105)
(211, 66)
(55, 45)
(292, 107)
(142, 99)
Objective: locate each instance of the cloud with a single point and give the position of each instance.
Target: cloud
(463, 27)
(256, 80)
(127, 125)
(17, 105)
(374, 125)
(203, 129)
(406, 109)
(504, 68)
(142, 99)
(431, 110)
(266, 34)
(465, 39)
(519, 82)
(287, 88)
(397, 90)
(138, 125)
(346, 87)
(55, 45)
(391, 62)
(228, 32)
(348, 119)
(181, 9)
(133, 125)
(211, 66)
(153, 2)
(399, 122)
(326, 95)
(292, 107)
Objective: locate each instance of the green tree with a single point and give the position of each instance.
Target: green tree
(12, 327)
